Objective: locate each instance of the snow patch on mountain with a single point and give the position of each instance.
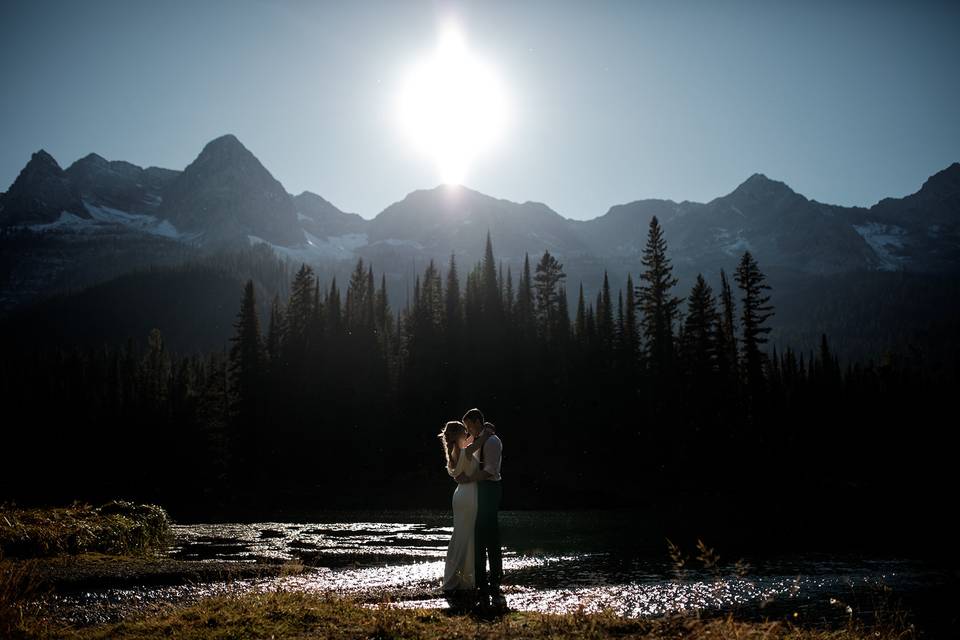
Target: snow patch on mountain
(332, 248)
(139, 221)
(337, 247)
(66, 222)
(731, 243)
(108, 220)
(394, 242)
(886, 240)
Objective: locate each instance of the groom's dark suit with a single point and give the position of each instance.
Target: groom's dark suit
(487, 531)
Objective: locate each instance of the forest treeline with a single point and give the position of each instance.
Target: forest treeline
(642, 396)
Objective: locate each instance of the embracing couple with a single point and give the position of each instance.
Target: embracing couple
(473, 453)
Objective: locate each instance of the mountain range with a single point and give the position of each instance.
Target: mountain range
(63, 230)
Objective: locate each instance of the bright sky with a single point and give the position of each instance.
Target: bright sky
(600, 103)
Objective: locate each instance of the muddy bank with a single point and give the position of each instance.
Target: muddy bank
(98, 571)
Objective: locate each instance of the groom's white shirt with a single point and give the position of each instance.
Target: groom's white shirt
(492, 452)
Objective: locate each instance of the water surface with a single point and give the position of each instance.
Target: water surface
(553, 561)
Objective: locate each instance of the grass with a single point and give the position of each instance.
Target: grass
(32, 538)
(294, 614)
(121, 528)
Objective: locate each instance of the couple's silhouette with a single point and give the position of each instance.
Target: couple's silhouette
(473, 452)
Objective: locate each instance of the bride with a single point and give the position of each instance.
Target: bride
(459, 448)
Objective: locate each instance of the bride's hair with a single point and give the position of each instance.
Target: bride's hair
(451, 431)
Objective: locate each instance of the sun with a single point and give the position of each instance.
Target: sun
(452, 106)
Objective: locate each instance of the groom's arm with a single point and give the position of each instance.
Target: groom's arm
(480, 476)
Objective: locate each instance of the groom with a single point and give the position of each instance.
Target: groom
(487, 532)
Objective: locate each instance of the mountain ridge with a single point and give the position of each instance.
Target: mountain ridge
(226, 198)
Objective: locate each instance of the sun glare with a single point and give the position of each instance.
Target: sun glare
(452, 106)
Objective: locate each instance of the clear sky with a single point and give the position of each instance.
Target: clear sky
(847, 102)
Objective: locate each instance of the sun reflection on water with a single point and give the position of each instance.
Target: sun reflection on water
(401, 565)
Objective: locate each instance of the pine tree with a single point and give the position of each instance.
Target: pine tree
(547, 283)
(370, 302)
(631, 338)
(699, 345)
(580, 323)
(605, 314)
(727, 353)
(621, 325)
(245, 374)
(563, 317)
(490, 289)
(246, 354)
(358, 303)
(658, 308)
(275, 334)
(334, 314)
(453, 308)
(756, 311)
(525, 304)
(300, 309)
(508, 296)
(383, 317)
(431, 302)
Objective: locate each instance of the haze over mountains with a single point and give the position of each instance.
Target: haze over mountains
(66, 229)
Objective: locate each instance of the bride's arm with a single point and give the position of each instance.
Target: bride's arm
(476, 444)
(456, 464)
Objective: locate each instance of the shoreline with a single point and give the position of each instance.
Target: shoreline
(282, 614)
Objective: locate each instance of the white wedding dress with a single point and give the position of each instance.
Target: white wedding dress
(458, 571)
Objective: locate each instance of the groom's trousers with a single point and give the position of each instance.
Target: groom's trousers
(487, 537)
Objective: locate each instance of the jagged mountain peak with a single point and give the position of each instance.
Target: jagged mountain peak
(41, 192)
(309, 198)
(226, 155)
(944, 183)
(226, 195)
(119, 184)
(227, 143)
(759, 185)
(92, 159)
(42, 158)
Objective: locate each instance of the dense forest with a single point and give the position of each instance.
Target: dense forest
(639, 398)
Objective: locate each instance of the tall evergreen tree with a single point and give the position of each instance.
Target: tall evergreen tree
(490, 289)
(300, 309)
(580, 322)
(699, 347)
(334, 313)
(525, 304)
(245, 374)
(563, 317)
(359, 302)
(756, 311)
(658, 307)
(631, 337)
(508, 296)
(246, 353)
(547, 283)
(727, 352)
(605, 314)
(452, 304)
(275, 334)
